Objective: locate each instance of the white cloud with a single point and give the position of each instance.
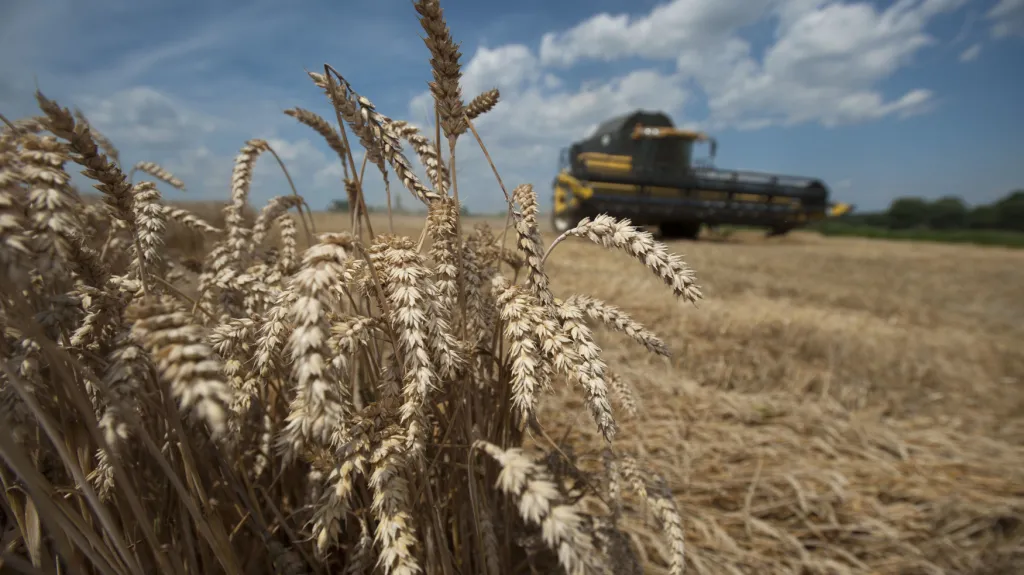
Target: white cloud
(506, 67)
(171, 92)
(971, 54)
(824, 65)
(297, 151)
(200, 148)
(539, 113)
(147, 117)
(298, 156)
(1008, 18)
(669, 28)
(329, 175)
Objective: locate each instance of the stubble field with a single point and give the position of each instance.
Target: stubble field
(855, 405)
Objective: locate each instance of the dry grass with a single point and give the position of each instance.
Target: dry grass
(222, 389)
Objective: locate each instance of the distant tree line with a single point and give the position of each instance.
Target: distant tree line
(343, 206)
(946, 213)
(338, 206)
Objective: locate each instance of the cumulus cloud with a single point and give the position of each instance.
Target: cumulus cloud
(147, 124)
(187, 86)
(507, 67)
(538, 112)
(147, 117)
(665, 31)
(1007, 18)
(971, 54)
(824, 65)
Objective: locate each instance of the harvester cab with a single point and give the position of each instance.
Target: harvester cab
(671, 149)
(640, 166)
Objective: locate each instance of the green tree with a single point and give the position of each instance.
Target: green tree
(906, 213)
(877, 219)
(947, 213)
(338, 206)
(984, 217)
(1010, 210)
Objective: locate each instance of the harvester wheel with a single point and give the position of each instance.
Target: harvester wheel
(777, 232)
(680, 230)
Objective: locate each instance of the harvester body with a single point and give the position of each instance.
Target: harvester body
(639, 166)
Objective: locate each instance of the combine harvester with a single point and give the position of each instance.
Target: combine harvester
(639, 166)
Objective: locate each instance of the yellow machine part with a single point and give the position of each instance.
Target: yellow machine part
(564, 200)
(569, 192)
(838, 210)
(603, 157)
(608, 163)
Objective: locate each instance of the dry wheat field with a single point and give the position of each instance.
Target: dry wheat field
(837, 378)
(198, 388)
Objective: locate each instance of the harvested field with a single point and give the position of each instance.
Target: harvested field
(831, 402)
(927, 332)
(840, 404)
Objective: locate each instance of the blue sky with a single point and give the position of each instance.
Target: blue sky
(879, 99)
